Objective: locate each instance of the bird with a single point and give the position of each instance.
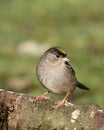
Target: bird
(56, 74)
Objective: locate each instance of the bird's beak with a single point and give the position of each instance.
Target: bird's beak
(66, 59)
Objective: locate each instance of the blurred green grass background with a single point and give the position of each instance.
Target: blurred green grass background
(76, 26)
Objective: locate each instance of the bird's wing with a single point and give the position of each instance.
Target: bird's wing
(70, 68)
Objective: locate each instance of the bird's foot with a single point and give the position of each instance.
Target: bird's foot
(60, 104)
(43, 96)
(63, 102)
(68, 103)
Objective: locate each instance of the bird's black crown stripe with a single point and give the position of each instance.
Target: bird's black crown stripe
(58, 52)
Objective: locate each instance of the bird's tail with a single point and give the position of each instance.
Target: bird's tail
(81, 86)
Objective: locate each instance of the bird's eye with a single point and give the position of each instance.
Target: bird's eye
(57, 55)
